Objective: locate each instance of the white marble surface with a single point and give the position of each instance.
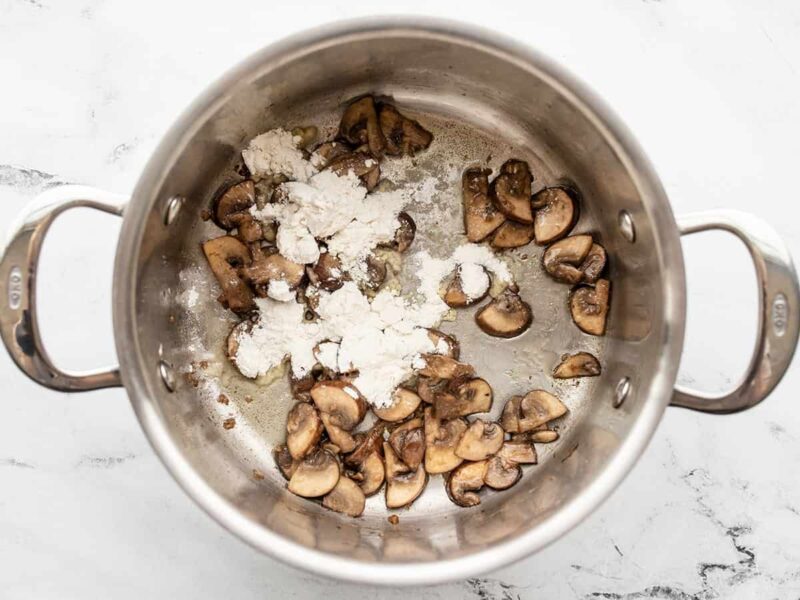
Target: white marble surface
(712, 91)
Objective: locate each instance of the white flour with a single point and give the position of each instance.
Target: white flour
(276, 152)
(279, 290)
(472, 262)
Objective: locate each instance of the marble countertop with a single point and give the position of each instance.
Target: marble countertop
(711, 89)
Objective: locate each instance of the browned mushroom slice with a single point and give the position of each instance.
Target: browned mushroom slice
(403, 135)
(521, 452)
(537, 408)
(248, 229)
(511, 191)
(376, 273)
(445, 344)
(509, 419)
(456, 297)
(430, 387)
(404, 402)
(315, 476)
(346, 497)
(557, 214)
(234, 199)
(408, 442)
(501, 474)
(593, 264)
(361, 164)
(303, 430)
(403, 485)
(465, 481)
(329, 151)
(307, 135)
(360, 125)
(327, 273)
(370, 474)
(343, 440)
(341, 401)
(506, 316)
(286, 463)
(581, 364)
(441, 438)
(480, 440)
(545, 436)
(589, 307)
(368, 443)
(225, 255)
(404, 235)
(512, 235)
(472, 396)
(300, 386)
(444, 367)
(563, 260)
(481, 216)
(274, 267)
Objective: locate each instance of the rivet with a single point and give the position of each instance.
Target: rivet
(622, 391)
(174, 206)
(626, 227)
(167, 375)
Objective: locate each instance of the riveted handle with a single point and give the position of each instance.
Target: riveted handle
(19, 325)
(778, 307)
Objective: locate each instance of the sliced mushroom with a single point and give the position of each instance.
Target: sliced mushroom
(404, 402)
(557, 213)
(594, 263)
(307, 135)
(368, 443)
(370, 474)
(303, 430)
(465, 481)
(537, 408)
(338, 436)
(445, 344)
(360, 125)
(501, 474)
(456, 296)
(470, 397)
(376, 273)
(327, 273)
(274, 267)
(403, 135)
(512, 235)
(444, 367)
(361, 164)
(315, 476)
(408, 442)
(511, 191)
(225, 255)
(327, 152)
(430, 387)
(589, 307)
(405, 234)
(545, 436)
(480, 440)
(581, 364)
(563, 260)
(248, 230)
(506, 316)
(403, 485)
(481, 216)
(509, 419)
(346, 497)
(234, 199)
(300, 386)
(341, 401)
(441, 438)
(520, 452)
(286, 463)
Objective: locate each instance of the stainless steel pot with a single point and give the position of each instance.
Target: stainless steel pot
(482, 94)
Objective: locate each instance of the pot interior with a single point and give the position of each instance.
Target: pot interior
(483, 105)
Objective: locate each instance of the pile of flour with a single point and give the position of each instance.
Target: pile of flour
(381, 339)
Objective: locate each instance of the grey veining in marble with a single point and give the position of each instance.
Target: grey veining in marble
(711, 89)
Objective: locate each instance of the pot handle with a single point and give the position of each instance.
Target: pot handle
(778, 307)
(19, 326)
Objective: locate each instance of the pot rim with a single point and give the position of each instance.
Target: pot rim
(667, 246)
